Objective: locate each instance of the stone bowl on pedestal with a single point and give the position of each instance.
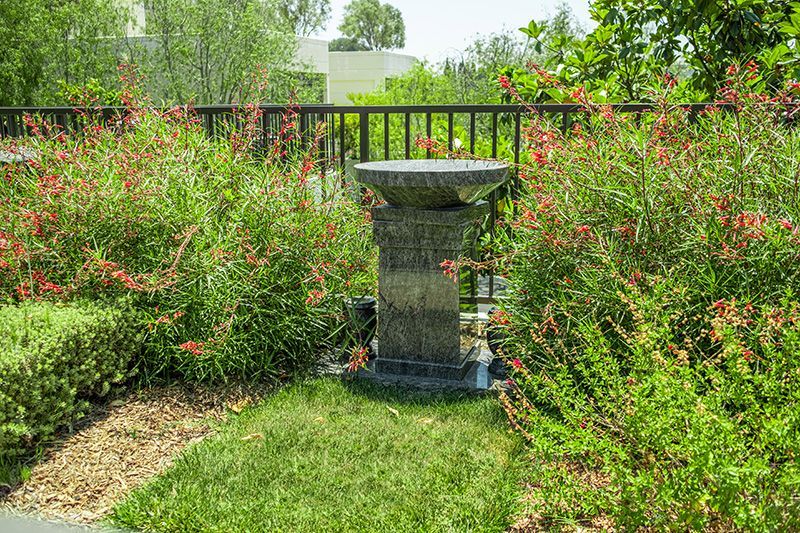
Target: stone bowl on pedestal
(431, 204)
(432, 183)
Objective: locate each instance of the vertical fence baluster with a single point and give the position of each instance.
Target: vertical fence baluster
(341, 141)
(493, 201)
(473, 274)
(363, 125)
(517, 150)
(386, 136)
(428, 130)
(61, 120)
(472, 133)
(494, 135)
(264, 130)
(331, 120)
(320, 124)
(408, 136)
(303, 130)
(13, 130)
(211, 125)
(450, 132)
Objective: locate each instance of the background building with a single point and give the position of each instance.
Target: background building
(345, 72)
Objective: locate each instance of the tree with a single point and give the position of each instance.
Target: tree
(470, 76)
(377, 26)
(46, 42)
(635, 43)
(347, 44)
(207, 49)
(23, 53)
(305, 16)
(708, 36)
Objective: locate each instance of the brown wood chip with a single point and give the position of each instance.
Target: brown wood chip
(119, 446)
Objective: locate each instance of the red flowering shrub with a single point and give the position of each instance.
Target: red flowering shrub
(653, 328)
(236, 259)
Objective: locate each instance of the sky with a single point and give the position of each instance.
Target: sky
(436, 29)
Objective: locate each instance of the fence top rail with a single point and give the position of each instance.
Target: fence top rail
(353, 109)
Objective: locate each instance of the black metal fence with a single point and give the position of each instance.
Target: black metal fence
(341, 142)
(364, 133)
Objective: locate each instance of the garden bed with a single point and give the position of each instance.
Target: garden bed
(119, 446)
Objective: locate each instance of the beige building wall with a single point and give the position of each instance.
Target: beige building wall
(136, 20)
(312, 54)
(362, 72)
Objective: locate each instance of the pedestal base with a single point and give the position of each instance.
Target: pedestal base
(419, 313)
(471, 375)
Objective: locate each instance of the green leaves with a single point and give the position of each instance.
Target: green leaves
(305, 17)
(51, 356)
(637, 42)
(791, 27)
(653, 262)
(375, 25)
(47, 42)
(534, 30)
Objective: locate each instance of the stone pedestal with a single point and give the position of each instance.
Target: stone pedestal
(418, 317)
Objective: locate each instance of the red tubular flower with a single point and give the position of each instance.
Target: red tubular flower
(193, 347)
(358, 359)
(450, 269)
(315, 297)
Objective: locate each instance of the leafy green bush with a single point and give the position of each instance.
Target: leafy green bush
(633, 45)
(654, 327)
(236, 254)
(52, 356)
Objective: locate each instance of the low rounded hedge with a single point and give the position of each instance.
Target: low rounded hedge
(52, 357)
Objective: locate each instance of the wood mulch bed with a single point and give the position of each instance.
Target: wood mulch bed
(119, 446)
(535, 522)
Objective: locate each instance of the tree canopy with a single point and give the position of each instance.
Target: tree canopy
(305, 16)
(636, 43)
(470, 76)
(194, 50)
(375, 25)
(347, 44)
(47, 43)
(207, 50)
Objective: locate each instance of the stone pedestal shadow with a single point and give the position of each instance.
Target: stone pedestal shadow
(432, 203)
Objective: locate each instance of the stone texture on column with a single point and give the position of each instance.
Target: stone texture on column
(418, 319)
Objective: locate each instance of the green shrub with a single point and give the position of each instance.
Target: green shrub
(236, 255)
(655, 325)
(52, 357)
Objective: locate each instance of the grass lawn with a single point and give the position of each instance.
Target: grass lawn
(328, 456)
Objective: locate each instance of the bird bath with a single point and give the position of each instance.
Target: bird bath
(430, 205)
(432, 183)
